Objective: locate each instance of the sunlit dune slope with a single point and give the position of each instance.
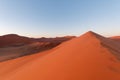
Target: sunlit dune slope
(10, 66)
(88, 57)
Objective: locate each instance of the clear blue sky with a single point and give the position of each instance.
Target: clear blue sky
(59, 17)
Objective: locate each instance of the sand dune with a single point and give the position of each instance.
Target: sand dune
(15, 52)
(88, 57)
(116, 38)
(14, 40)
(13, 46)
(9, 66)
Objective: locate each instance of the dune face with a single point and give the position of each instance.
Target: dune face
(88, 57)
(14, 40)
(13, 46)
(116, 38)
(15, 52)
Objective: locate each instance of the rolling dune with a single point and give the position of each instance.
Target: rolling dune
(13, 46)
(88, 57)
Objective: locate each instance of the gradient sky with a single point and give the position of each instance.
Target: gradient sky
(52, 18)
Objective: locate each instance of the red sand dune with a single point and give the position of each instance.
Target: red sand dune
(88, 57)
(16, 40)
(14, 46)
(116, 38)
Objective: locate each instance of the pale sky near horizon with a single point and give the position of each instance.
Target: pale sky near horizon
(51, 18)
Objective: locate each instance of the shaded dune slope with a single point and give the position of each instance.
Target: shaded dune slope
(14, 40)
(115, 38)
(15, 52)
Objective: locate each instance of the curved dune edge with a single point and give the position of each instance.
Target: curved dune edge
(88, 57)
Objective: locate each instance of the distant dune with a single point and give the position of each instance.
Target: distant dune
(13, 46)
(88, 57)
(14, 40)
(116, 38)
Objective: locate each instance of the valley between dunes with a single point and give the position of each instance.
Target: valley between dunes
(88, 57)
